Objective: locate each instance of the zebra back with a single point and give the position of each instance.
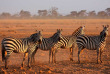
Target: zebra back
(67, 41)
(36, 38)
(93, 42)
(20, 44)
(78, 31)
(48, 43)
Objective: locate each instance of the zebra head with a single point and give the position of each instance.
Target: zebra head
(105, 30)
(59, 31)
(36, 37)
(78, 31)
(57, 36)
(82, 29)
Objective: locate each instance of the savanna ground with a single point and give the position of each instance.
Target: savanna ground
(24, 28)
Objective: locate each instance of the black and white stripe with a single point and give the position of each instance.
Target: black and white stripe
(20, 45)
(48, 43)
(92, 42)
(67, 42)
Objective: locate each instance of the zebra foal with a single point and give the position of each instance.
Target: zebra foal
(93, 42)
(20, 45)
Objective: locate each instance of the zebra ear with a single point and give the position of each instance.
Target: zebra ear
(42, 30)
(107, 26)
(103, 25)
(58, 29)
(83, 27)
(61, 29)
(36, 30)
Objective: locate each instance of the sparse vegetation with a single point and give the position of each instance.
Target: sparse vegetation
(53, 13)
(24, 28)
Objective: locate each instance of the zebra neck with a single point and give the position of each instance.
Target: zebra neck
(76, 34)
(54, 38)
(103, 38)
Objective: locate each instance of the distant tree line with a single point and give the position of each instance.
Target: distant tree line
(53, 13)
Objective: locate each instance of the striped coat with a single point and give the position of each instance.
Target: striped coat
(48, 43)
(92, 42)
(20, 45)
(67, 42)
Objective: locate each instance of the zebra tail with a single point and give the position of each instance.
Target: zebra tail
(3, 53)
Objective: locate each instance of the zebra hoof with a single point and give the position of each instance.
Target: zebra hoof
(29, 67)
(49, 62)
(6, 67)
(54, 62)
(101, 61)
(21, 65)
(78, 62)
(97, 63)
(71, 59)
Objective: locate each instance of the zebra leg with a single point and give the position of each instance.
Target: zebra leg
(33, 59)
(71, 54)
(6, 58)
(55, 51)
(97, 55)
(6, 63)
(50, 52)
(55, 57)
(29, 56)
(78, 56)
(52, 57)
(80, 48)
(33, 55)
(100, 56)
(79, 51)
(25, 55)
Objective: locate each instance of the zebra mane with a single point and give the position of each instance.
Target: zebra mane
(76, 30)
(54, 35)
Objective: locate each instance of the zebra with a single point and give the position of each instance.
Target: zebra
(93, 42)
(20, 45)
(67, 42)
(48, 43)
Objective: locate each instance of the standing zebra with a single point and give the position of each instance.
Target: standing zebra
(67, 42)
(48, 43)
(93, 42)
(20, 45)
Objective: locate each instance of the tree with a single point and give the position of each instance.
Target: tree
(73, 13)
(108, 11)
(42, 12)
(53, 12)
(92, 13)
(82, 13)
(15, 16)
(24, 14)
(102, 14)
(5, 15)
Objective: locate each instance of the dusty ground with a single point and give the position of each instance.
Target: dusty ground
(24, 28)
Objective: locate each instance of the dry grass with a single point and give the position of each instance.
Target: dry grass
(24, 28)
(93, 26)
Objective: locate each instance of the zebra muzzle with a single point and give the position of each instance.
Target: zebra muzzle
(59, 39)
(40, 41)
